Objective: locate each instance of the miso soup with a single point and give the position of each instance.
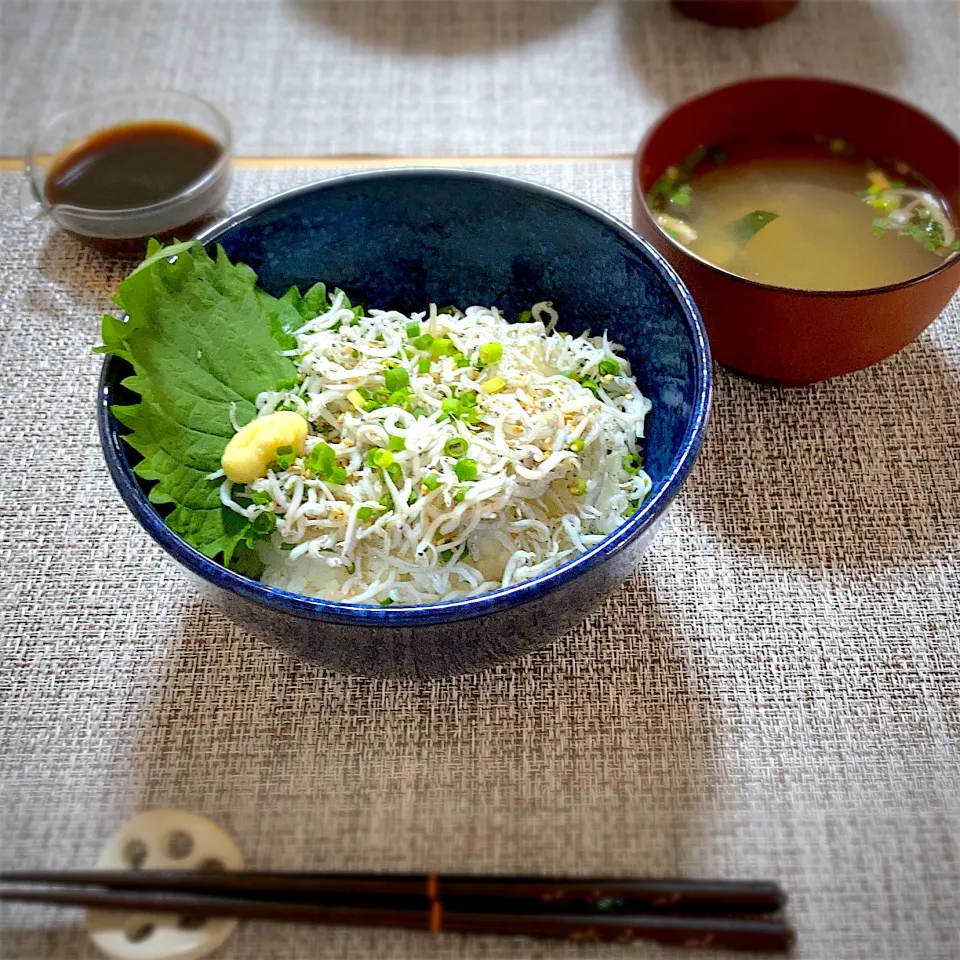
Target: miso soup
(807, 215)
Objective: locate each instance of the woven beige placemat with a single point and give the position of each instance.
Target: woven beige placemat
(775, 693)
(450, 76)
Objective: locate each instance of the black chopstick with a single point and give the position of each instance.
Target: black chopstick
(740, 933)
(458, 892)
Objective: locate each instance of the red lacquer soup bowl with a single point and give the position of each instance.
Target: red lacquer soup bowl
(778, 334)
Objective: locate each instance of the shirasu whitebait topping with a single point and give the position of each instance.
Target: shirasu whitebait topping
(449, 454)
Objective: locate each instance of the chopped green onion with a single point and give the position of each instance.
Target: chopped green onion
(591, 385)
(398, 396)
(322, 460)
(386, 603)
(577, 446)
(380, 458)
(466, 470)
(578, 487)
(460, 495)
(423, 342)
(286, 457)
(609, 367)
(450, 405)
(358, 399)
(442, 347)
(493, 385)
(413, 329)
(397, 379)
(397, 443)
(491, 353)
(632, 463)
(455, 447)
(468, 399)
(525, 316)
(424, 365)
(460, 360)
(469, 415)
(431, 481)
(395, 473)
(885, 204)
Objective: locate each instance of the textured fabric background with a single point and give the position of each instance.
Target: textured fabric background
(512, 77)
(775, 693)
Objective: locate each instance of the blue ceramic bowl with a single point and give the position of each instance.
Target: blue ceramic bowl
(401, 239)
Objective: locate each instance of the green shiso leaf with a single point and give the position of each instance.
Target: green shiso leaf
(201, 337)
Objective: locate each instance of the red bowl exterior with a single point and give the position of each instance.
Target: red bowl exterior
(735, 13)
(777, 334)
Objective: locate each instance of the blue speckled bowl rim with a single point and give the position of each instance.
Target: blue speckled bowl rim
(454, 610)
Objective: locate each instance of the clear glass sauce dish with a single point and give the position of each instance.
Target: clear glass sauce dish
(123, 168)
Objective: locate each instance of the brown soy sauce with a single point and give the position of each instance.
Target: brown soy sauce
(134, 166)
